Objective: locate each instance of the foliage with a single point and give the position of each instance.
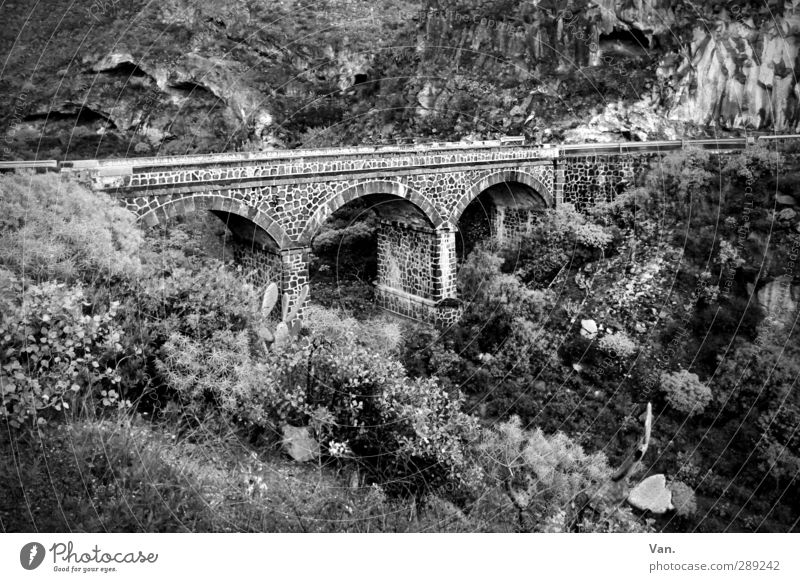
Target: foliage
(541, 483)
(53, 355)
(683, 499)
(132, 476)
(562, 238)
(758, 383)
(199, 301)
(618, 345)
(685, 392)
(407, 433)
(53, 227)
(382, 335)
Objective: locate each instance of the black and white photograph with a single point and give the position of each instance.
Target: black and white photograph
(419, 267)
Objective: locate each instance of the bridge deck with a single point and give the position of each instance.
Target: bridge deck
(502, 149)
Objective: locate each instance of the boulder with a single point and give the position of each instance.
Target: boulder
(299, 444)
(785, 199)
(652, 495)
(588, 328)
(787, 214)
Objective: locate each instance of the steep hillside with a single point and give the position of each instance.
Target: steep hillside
(129, 77)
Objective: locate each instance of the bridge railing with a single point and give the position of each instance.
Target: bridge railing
(297, 155)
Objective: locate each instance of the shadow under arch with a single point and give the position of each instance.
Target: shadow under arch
(501, 177)
(367, 189)
(218, 204)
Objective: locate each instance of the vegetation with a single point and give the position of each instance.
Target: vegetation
(147, 385)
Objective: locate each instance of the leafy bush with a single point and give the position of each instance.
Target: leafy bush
(53, 355)
(200, 301)
(685, 392)
(683, 498)
(618, 345)
(561, 238)
(536, 482)
(409, 434)
(53, 227)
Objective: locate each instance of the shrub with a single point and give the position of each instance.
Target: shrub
(562, 237)
(409, 434)
(53, 227)
(685, 392)
(535, 482)
(53, 355)
(199, 301)
(683, 498)
(592, 235)
(618, 345)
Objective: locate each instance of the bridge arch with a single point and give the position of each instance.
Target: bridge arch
(365, 189)
(188, 204)
(500, 177)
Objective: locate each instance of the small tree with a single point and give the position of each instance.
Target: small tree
(685, 392)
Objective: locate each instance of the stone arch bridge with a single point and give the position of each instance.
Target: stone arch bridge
(274, 203)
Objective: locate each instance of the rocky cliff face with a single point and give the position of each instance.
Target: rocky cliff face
(631, 69)
(128, 77)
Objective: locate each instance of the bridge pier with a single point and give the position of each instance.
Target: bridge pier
(287, 268)
(294, 274)
(417, 271)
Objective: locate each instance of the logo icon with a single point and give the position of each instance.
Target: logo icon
(31, 555)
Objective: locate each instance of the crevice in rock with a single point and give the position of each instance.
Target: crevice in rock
(191, 88)
(81, 115)
(631, 42)
(126, 69)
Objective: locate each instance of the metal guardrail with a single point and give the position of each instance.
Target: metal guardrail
(724, 144)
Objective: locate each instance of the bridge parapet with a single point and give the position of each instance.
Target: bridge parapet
(140, 174)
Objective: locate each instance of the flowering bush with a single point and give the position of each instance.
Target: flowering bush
(685, 392)
(52, 354)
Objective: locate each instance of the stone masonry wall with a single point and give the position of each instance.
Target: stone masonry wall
(509, 225)
(260, 267)
(589, 180)
(406, 258)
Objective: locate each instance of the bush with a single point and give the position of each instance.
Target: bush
(54, 228)
(561, 238)
(535, 482)
(408, 434)
(684, 392)
(52, 354)
(683, 499)
(617, 345)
